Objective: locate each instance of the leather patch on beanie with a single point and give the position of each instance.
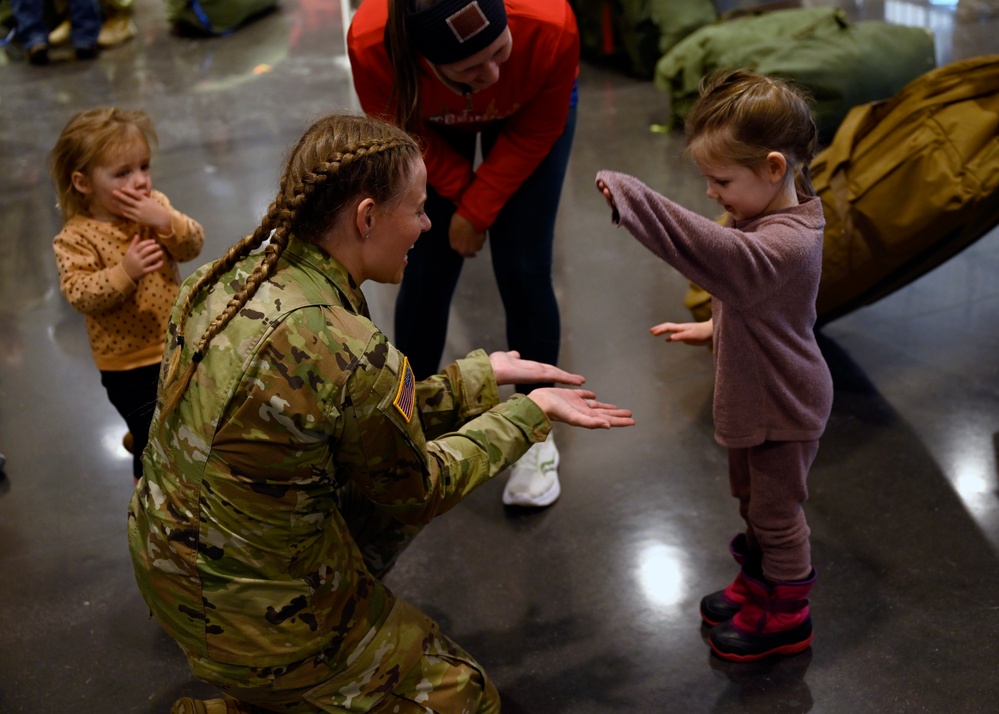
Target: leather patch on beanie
(452, 30)
(468, 22)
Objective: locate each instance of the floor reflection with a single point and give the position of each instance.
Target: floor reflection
(589, 607)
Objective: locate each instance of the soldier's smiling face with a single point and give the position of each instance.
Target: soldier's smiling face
(397, 226)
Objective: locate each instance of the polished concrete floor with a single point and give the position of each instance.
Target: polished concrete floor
(589, 606)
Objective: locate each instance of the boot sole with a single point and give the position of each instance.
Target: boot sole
(788, 649)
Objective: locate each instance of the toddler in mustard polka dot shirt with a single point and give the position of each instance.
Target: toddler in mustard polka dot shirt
(118, 255)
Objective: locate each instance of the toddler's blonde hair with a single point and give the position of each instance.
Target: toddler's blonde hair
(741, 116)
(87, 141)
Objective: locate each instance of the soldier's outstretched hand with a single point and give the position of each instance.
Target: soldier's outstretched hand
(509, 368)
(579, 407)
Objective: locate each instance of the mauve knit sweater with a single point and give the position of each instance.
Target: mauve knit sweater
(771, 381)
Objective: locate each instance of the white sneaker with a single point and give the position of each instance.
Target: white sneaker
(534, 478)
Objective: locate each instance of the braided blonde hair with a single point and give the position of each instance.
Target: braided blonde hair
(340, 159)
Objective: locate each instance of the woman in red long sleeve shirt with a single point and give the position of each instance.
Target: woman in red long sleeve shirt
(503, 72)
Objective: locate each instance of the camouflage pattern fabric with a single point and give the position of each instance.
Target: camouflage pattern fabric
(301, 458)
(444, 679)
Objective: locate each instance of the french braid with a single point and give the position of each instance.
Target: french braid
(338, 159)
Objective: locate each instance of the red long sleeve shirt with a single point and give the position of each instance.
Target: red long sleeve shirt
(531, 98)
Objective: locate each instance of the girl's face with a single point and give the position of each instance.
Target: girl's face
(482, 69)
(394, 228)
(125, 170)
(747, 193)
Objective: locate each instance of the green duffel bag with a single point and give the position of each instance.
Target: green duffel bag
(215, 17)
(841, 64)
(638, 31)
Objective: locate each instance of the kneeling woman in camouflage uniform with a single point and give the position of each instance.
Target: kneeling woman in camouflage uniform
(293, 455)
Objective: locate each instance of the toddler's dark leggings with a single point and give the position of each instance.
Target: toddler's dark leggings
(769, 481)
(133, 394)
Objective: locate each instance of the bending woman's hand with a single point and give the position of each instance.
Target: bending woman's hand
(509, 368)
(465, 239)
(579, 407)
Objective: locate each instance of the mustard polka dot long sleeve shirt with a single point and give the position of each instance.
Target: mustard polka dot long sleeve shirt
(126, 320)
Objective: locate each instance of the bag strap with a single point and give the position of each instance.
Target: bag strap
(202, 16)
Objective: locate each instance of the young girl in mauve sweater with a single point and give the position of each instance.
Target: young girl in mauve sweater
(752, 137)
(118, 254)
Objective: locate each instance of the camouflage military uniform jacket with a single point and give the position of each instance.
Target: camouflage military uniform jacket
(237, 535)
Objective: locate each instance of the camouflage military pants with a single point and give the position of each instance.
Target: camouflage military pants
(446, 680)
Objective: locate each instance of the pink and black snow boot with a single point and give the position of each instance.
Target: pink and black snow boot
(774, 619)
(722, 605)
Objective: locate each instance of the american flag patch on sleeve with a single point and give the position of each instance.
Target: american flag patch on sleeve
(406, 395)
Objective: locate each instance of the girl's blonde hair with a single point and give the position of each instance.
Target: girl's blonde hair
(338, 161)
(87, 141)
(742, 116)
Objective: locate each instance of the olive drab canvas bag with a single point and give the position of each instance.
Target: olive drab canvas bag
(908, 183)
(840, 63)
(215, 17)
(637, 31)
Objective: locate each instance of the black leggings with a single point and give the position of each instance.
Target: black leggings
(133, 394)
(520, 242)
